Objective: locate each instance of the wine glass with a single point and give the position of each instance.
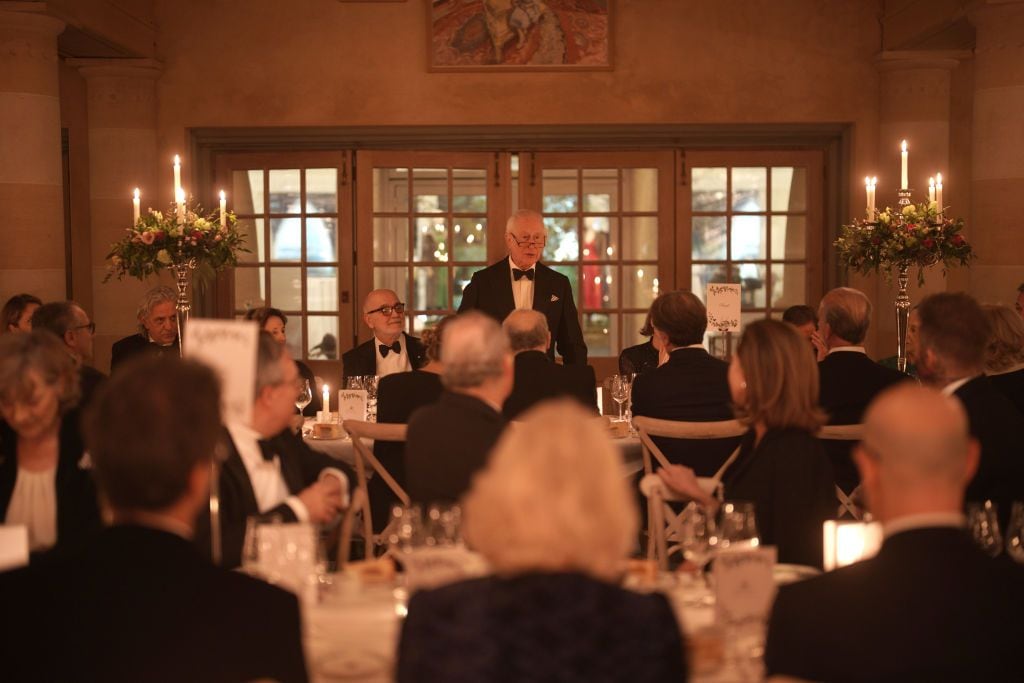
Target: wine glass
(305, 396)
(984, 526)
(370, 384)
(696, 529)
(354, 383)
(1015, 533)
(620, 391)
(738, 526)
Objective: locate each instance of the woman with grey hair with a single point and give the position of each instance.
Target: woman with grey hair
(553, 515)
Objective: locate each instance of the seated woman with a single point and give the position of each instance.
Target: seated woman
(43, 485)
(554, 517)
(781, 466)
(636, 360)
(16, 315)
(1004, 356)
(274, 321)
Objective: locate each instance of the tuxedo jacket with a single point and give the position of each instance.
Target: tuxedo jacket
(1010, 385)
(539, 627)
(446, 443)
(141, 604)
(133, 345)
(638, 359)
(490, 291)
(362, 360)
(848, 382)
(300, 467)
(538, 378)
(929, 607)
(692, 386)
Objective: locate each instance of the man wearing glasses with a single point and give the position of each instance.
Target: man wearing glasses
(390, 350)
(68, 321)
(519, 281)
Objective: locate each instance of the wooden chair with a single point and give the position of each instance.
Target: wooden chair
(847, 504)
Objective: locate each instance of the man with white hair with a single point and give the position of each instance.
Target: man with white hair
(520, 281)
(931, 606)
(390, 349)
(158, 328)
(448, 441)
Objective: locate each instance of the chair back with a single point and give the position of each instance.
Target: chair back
(848, 504)
(362, 433)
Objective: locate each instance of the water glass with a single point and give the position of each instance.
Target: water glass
(406, 528)
(442, 526)
(620, 389)
(354, 383)
(696, 529)
(370, 385)
(738, 525)
(1015, 533)
(983, 522)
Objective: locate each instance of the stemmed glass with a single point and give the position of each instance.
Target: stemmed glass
(305, 396)
(370, 384)
(1015, 533)
(984, 526)
(738, 525)
(354, 383)
(620, 392)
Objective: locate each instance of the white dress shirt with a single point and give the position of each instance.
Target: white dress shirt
(954, 520)
(951, 388)
(34, 505)
(522, 289)
(856, 349)
(395, 362)
(268, 484)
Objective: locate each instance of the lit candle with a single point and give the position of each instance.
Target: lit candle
(931, 190)
(223, 210)
(327, 399)
(867, 197)
(938, 193)
(177, 174)
(179, 200)
(903, 172)
(874, 183)
(136, 207)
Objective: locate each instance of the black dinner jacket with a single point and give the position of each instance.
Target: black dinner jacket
(446, 443)
(1010, 385)
(133, 345)
(362, 360)
(539, 627)
(490, 291)
(930, 606)
(141, 604)
(848, 382)
(692, 386)
(638, 359)
(300, 467)
(538, 378)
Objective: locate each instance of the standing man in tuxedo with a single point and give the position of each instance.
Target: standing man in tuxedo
(270, 471)
(158, 328)
(930, 606)
(390, 350)
(519, 281)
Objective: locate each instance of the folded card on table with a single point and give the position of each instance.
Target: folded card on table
(352, 404)
(744, 589)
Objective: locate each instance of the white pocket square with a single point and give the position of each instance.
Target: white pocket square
(554, 298)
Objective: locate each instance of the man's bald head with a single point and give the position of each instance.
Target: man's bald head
(843, 316)
(527, 330)
(386, 324)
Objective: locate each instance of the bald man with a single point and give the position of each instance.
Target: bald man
(390, 350)
(522, 282)
(537, 377)
(931, 606)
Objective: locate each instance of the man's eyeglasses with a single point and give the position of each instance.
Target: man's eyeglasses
(388, 309)
(91, 327)
(529, 241)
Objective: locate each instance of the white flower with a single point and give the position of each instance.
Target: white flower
(156, 214)
(163, 257)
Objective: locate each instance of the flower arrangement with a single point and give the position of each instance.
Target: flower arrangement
(158, 241)
(917, 235)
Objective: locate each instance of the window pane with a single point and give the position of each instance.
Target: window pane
(247, 192)
(285, 239)
(708, 189)
(293, 336)
(639, 189)
(789, 237)
(323, 337)
(429, 190)
(390, 239)
(563, 242)
(322, 239)
(749, 189)
(640, 237)
(749, 237)
(430, 289)
(640, 285)
(599, 290)
(286, 288)
(600, 190)
(632, 323)
(600, 238)
(571, 272)
(789, 189)
(322, 289)
(396, 279)
(560, 191)
(470, 239)
(463, 274)
(709, 239)
(469, 190)
(321, 190)
(284, 191)
(789, 284)
(252, 230)
(431, 240)
(391, 190)
(752, 284)
(600, 331)
(424, 322)
(250, 288)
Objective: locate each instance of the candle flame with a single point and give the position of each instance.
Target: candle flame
(223, 196)
(903, 146)
(136, 193)
(177, 160)
(931, 182)
(874, 180)
(867, 180)
(938, 179)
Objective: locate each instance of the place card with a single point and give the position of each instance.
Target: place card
(432, 567)
(744, 588)
(352, 404)
(723, 304)
(229, 347)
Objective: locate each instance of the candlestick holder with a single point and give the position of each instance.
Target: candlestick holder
(903, 198)
(183, 307)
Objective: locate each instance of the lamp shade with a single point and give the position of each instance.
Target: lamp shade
(847, 542)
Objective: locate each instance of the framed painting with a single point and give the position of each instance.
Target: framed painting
(519, 35)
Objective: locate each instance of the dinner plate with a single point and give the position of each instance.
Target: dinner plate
(791, 573)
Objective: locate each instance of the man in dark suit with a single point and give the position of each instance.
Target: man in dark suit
(931, 606)
(537, 377)
(158, 328)
(519, 281)
(390, 350)
(138, 602)
(70, 323)
(448, 441)
(691, 386)
(269, 471)
(849, 380)
(952, 340)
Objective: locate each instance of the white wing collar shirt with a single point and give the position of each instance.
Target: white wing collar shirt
(268, 484)
(522, 289)
(392, 362)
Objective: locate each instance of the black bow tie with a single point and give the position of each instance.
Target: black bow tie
(520, 274)
(266, 450)
(385, 349)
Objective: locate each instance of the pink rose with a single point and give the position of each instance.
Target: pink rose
(148, 237)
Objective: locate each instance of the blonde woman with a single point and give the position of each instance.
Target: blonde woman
(1004, 355)
(555, 518)
(781, 467)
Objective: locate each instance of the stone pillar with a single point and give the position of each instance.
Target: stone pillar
(998, 151)
(122, 156)
(31, 182)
